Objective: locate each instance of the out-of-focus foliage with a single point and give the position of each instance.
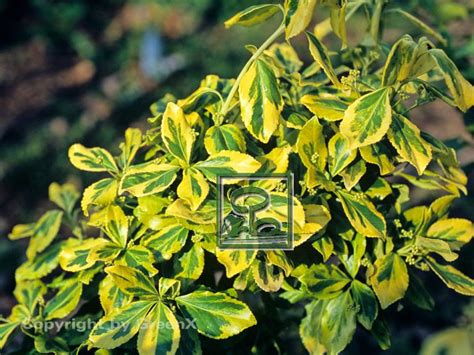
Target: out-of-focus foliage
(455, 340)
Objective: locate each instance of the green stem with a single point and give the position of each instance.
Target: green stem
(79, 348)
(217, 93)
(26, 332)
(258, 52)
(375, 23)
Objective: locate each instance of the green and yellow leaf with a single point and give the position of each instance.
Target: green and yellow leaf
(379, 155)
(111, 296)
(321, 56)
(205, 96)
(284, 57)
(21, 231)
(191, 264)
(324, 281)
(279, 210)
(398, 66)
(253, 15)
(365, 299)
(406, 139)
(235, 261)
(452, 277)
(311, 145)
(100, 193)
(267, 276)
(298, 15)
(337, 16)
(167, 241)
(160, 333)
(217, 315)
(30, 293)
(137, 256)
(379, 189)
(296, 120)
(407, 60)
(329, 109)
(6, 329)
(120, 325)
(338, 323)
(133, 141)
(353, 173)
(362, 214)
(457, 231)
(225, 137)
(64, 302)
(461, 90)
(132, 281)
(367, 119)
(74, 254)
(193, 188)
(310, 327)
(205, 216)
(87, 276)
(19, 313)
(279, 258)
(437, 246)
(169, 288)
(340, 154)
(65, 196)
(390, 280)
(274, 162)
(41, 265)
(148, 211)
(424, 61)
(104, 251)
(92, 159)
(325, 247)
(440, 206)
(45, 344)
(227, 163)
(116, 225)
(260, 101)
(148, 178)
(177, 134)
(353, 261)
(317, 217)
(279, 158)
(44, 233)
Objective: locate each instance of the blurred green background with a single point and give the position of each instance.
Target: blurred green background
(84, 70)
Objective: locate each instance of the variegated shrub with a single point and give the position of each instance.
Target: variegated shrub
(139, 256)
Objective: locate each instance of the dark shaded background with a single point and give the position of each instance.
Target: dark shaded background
(84, 70)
